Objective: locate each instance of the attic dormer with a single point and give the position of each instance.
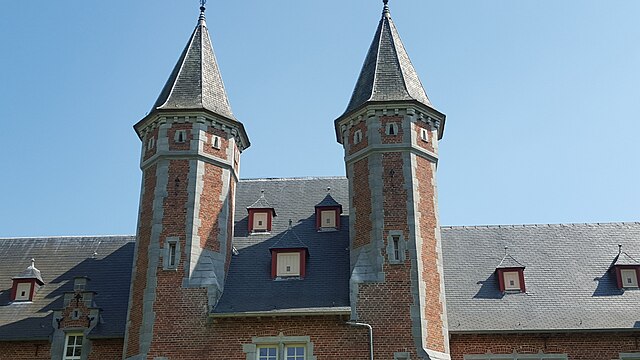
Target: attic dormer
(289, 256)
(261, 215)
(510, 274)
(328, 213)
(626, 269)
(26, 284)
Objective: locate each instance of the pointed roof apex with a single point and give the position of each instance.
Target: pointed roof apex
(289, 240)
(262, 203)
(509, 261)
(30, 273)
(387, 73)
(624, 259)
(195, 82)
(329, 201)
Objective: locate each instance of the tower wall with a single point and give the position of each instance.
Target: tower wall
(190, 166)
(396, 284)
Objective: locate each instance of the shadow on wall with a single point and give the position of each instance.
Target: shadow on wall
(489, 288)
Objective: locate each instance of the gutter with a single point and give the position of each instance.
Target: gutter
(353, 323)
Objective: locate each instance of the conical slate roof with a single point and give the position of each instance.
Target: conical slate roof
(195, 82)
(387, 73)
(508, 262)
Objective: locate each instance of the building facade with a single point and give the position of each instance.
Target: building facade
(315, 268)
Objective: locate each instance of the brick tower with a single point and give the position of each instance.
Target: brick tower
(191, 145)
(390, 133)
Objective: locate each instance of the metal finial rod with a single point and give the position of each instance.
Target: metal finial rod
(619, 249)
(290, 224)
(506, 250)
(33, 262)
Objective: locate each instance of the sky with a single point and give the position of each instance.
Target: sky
(542, 101)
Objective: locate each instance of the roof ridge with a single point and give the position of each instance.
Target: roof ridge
(295, 178)
(539, 225)
(65, 237)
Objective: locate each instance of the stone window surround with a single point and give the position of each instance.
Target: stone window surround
(180, 136)
(280, 341)
(516, 356)
(215, 141)
(401, 356)
(402, 247)
(357, 137)
(630, 356)
(424, 135)
(391, 129)
(166, 258)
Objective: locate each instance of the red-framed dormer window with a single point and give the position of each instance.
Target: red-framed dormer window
(328, 213)
(511, 279)
(288, 263)
(261, 215)
(260, 220)
(26, 284)
(626, 269)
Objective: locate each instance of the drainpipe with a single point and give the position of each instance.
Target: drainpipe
(353, 323)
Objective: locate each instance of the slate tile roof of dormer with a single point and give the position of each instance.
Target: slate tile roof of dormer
(105, 259)
(329, 201)
(262, 203)
(30, 272)
(289, 240)
(387, 73)
(509, 262)
(569, 285)
(195, 82)
(625, 259)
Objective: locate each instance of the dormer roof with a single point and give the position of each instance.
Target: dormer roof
(262, 203)
(624, 259)
(387, 73)
(289, 240)
(329, 201)
(195, 82)
(509, 262)
(30, 272)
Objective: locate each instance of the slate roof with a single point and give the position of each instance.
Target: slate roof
(387, 73)
(249, 286)
(30, 272)
(509, 262)
(625, 259)
(262, 203)
(195, 82)
(60, 260)
(328, 201)
(569, 285)
(289, 240)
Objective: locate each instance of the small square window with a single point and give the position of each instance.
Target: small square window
(328, 219)
(629, 278)
(511, 280)
(260, 221)
(288, 264)
(294, 352)
(267, 353)
(73, 347)
(23, 292)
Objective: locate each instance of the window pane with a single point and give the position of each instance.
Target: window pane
(69, 351)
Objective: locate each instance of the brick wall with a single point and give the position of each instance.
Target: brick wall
(361, 202)
(106, 349)
(578, 346)
(33, 350)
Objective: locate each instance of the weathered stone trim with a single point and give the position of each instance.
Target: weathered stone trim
(280, 341)
(387, 148)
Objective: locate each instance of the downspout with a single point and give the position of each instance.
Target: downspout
(353, 323)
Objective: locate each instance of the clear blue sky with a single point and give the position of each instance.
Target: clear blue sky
(542, 101)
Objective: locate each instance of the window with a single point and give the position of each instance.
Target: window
(630, 356)
(23, 292)
(294, 352)
(511, 280)
(260, 221)
(171, 257)
(392, 129)
(515, 356)
(267, 353)
(215, 142)
(328, 218)
(288, 264)
(151, 143)
(181, 136)
(357, 137)
(424, 135)
(279, 347)
(629, 278)
(396, 247)
(73, 347)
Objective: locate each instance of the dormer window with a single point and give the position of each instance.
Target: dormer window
(261, 215)
(288, 256)
(26, 284)
(328, 213)
(627, 270)
(510, 274)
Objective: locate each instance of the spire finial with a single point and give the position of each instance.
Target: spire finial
(328, 190)
(506, 250)
(386, 11)
(201, 20)
(290, 224)
(619, 249)
(33, 263)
